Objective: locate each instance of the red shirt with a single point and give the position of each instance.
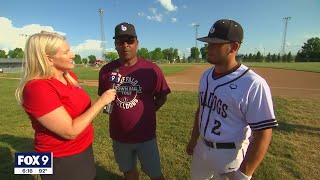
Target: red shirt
(45, 95)
(133, 119)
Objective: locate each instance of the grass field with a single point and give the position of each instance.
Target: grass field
(311, 67)
(92, 73)
(293, 154)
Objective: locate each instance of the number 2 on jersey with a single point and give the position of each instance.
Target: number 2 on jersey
(215, 128)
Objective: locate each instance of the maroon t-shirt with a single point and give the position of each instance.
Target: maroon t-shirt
(133, 119)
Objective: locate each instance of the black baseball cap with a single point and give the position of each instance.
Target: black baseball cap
(123, 29)
(224, 31)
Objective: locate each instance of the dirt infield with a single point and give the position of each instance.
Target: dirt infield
(282, 82)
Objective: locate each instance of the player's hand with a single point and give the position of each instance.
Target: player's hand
(108, 96)
(192, 143)
(238, 175)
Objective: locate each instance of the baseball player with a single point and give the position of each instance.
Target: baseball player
(235, 115)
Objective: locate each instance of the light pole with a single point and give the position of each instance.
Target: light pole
(103, 43)
(196, 26)
(283, 48)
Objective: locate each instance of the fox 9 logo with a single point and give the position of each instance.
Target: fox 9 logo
(30, 160)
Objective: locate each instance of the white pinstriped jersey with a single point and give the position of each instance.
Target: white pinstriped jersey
(234, 104)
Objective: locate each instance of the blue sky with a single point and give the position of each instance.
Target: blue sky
(160, 23)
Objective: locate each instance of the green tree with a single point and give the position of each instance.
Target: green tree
(268, 57)
(289, 57)
(250, 57)
(258, 57)
(170, 54)
(178, 60)
(300, 57)
(204, 52)
(310, 51)
(77, 59)
(143, 53)
(156, 54)
(176, 54)
(274, 58)
(284, 57)
(194, 53)
(246, 56)
(16, 53)
(184, 59)
(111, 56)
(92, 59)
(254, 58)
(3, 54)
(278, 58)
(85, 61)
(166, 55)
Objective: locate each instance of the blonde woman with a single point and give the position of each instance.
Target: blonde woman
(59, 109)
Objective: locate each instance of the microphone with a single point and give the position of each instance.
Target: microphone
(114, 79)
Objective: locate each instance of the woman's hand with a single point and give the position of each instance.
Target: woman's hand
(108, 96)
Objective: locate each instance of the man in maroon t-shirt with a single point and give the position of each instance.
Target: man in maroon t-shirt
(141, 91)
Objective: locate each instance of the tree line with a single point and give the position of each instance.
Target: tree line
(309, 52)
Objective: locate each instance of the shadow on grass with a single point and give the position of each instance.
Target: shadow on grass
(10, 144)
(289, 127)
(103, 174)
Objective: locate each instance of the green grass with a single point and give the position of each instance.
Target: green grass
(173, 69)
(293, 154)
(299, 66)
(92, 73)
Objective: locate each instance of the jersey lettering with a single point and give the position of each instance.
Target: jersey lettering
(215, 128)
(224, 109)
(128, 91)
(214, 103)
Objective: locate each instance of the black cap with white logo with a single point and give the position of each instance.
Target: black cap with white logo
(124, 29)
(224, 31)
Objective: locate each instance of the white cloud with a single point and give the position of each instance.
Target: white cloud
(12, 37)
(173, 20)
(141, 14)
(155, 15)
(155, 18)
(167, 4)
(90, 47)
(295, 46)
(310, 35)
(153, 10)
(184, 52)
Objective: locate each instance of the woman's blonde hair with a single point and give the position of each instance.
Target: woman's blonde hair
(36, 64)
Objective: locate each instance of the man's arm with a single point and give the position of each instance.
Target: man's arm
(194, 134)
(160, 99)
(257, 149)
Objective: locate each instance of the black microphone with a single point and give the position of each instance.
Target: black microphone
(115, 78)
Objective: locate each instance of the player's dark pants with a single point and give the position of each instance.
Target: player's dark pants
(78, 167)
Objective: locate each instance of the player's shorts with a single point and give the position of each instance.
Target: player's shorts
(210, 162)
(147, 152)
(79, 166)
